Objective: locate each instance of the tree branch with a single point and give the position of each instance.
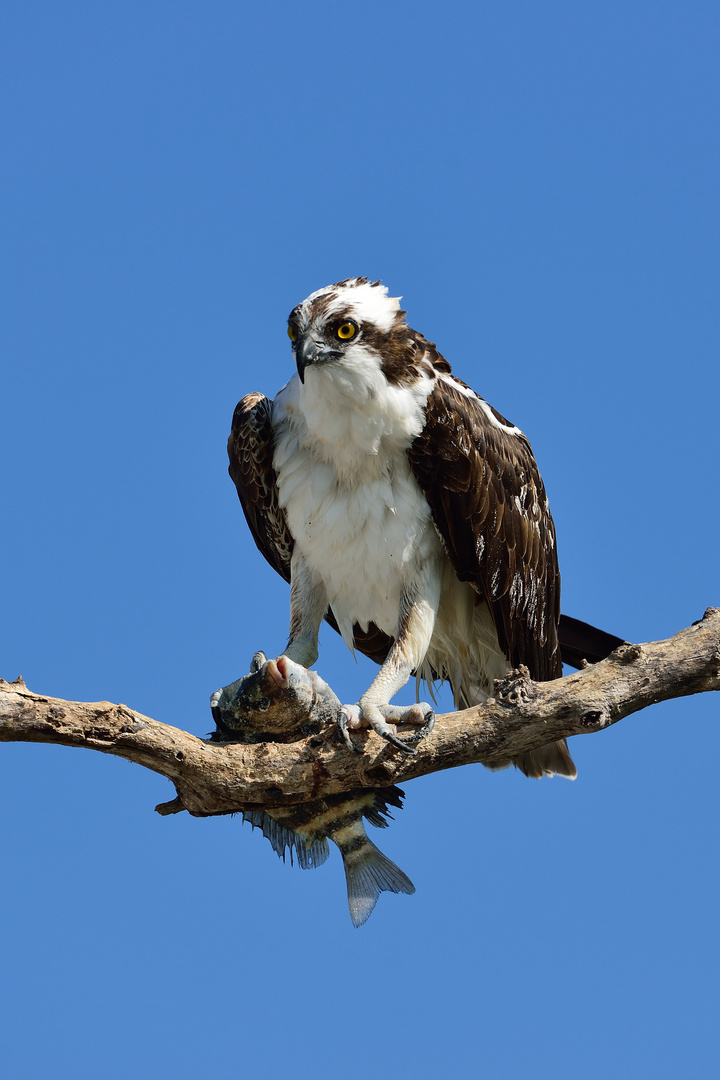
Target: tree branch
(212, 778)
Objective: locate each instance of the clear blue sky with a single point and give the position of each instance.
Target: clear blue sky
(540, 183)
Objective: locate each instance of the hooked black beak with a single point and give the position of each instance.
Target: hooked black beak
(307, 350)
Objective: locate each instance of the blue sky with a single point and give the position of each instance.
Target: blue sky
(539, 182)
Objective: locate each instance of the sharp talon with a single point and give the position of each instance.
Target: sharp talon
(344, 718)
(420, 714)
(259, 658)
(401, 744)
(374, 716)
(214, 707)
(422, 732)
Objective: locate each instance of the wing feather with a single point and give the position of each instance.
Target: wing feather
(250, 450)
(488, 503)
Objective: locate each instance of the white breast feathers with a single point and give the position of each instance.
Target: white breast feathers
(352, 503)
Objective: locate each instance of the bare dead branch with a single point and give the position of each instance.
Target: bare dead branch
(216, 779)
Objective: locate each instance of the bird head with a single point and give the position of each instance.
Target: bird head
(345, 325)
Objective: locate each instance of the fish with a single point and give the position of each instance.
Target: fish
(306, 828)
(281, 701)
(278, 701)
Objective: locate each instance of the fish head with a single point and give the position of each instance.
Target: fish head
(273, 703)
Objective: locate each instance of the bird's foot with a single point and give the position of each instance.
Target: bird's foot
(384, 720)
(420, 716)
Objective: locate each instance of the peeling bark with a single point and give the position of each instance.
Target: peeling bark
(211, 778)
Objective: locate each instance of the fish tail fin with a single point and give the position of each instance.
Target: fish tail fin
(368, 873)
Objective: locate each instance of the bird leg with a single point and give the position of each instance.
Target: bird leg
(308, 604)
(415, 627)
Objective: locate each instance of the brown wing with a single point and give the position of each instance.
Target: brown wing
(250, 450)
(489, 506)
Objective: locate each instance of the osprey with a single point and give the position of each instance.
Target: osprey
(402, 508)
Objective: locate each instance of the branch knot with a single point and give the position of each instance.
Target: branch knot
(516, 688)
(627, 654)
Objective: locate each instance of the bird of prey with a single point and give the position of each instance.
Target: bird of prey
(403, 509)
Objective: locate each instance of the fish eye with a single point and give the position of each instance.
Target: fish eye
(346, 330)
(292, 332)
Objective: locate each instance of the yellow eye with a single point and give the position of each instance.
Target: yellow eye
(292, 332)
(346, 330)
